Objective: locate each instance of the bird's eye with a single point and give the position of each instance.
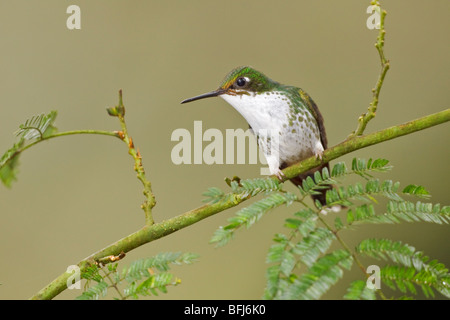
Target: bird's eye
(241, 82)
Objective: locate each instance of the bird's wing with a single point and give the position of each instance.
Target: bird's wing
(317, 115)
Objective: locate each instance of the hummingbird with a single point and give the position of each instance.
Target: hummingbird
(285, 120)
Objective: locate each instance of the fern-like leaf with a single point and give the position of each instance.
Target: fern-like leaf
(304, 221)
(222, 236)
(151, 285)
(406, 278)
(142, 268)
(310, 247)
(398, 211)
(279, 254)
(395, 250)
(417, 268)
(320, 277)
(275, 283)
(285, 255)
(9, 163)
(253, 187)
(92, 273)
(417, 191)
(36, 128)
(321, 180)
(374, 187)
(358, 290)
(213, 195)
(249, 215)
(95, 292)
(360, 213)
(323, 271)
(363, 167)
(339, 170)
(144, 277)
(243, 188)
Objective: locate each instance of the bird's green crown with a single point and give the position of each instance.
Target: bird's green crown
(247, 78)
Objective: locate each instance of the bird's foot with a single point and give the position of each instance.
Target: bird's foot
(319, 155)
(280, 175)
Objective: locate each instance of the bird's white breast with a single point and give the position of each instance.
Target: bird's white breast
(271, 114)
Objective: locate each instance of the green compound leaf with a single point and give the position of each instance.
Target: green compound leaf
(358, 290)
(34, 129)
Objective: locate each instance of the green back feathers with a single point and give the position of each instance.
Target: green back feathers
(311, 105)
(307, 102)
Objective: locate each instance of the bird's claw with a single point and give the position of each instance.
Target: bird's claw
(280, 175)
(319, 155)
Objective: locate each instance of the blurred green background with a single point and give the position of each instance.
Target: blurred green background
(76, 195)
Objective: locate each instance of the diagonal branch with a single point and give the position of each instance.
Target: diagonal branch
(155, 231)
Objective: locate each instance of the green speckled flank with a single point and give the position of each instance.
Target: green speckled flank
(302, 111)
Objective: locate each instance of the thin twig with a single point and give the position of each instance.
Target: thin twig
(150, 202)
(364, 119)
(113, 284)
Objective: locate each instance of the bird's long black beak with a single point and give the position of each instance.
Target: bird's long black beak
(214, 93)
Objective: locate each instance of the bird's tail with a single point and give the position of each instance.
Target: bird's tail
(298, 182)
